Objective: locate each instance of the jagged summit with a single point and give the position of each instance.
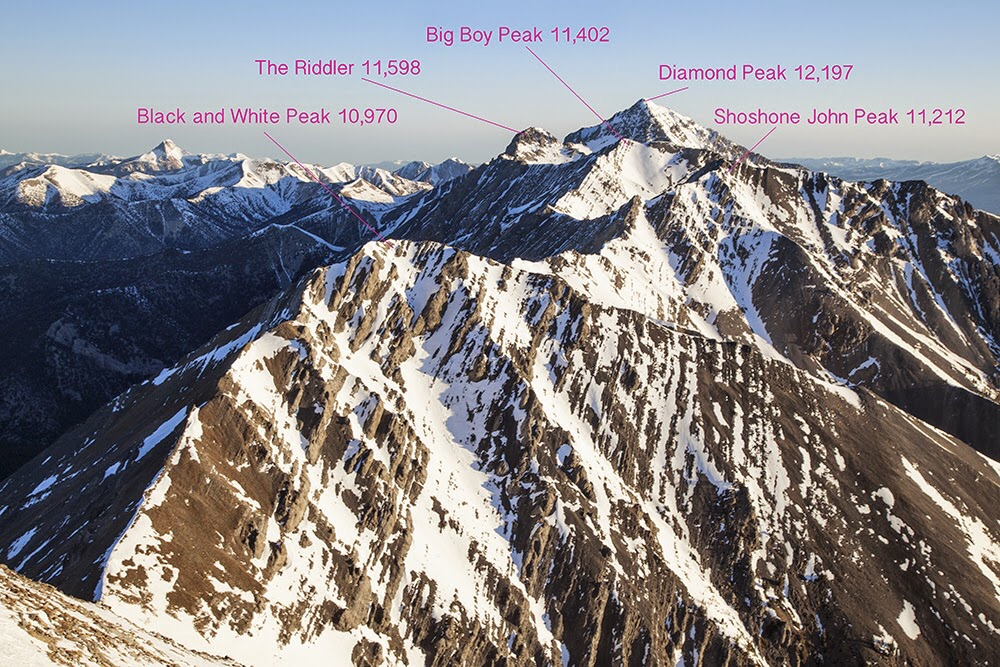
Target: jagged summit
(646, 122)
(165, 156)
(643, 123)
(531, 141)
(535, 145)
(412, 170)
(168, 147)
(433, 174)
(166, 150)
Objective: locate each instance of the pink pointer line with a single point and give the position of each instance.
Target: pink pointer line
(656, 97)
(752, 147)
(424, 99)
(568, 87)
(332, 193)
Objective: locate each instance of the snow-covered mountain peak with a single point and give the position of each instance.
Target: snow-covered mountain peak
(535, 145)
(392, 183)
(532, 136)
(412, 170)
(447, 170)
(167, 146)
(166, 156)
(645, 122)
(63, 185)
(168, 150)
(342, 172)
(433, 174)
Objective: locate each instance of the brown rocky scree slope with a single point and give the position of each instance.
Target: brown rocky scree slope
(42, 626)
(426, 455)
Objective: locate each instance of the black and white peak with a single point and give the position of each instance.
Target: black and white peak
(167, 156)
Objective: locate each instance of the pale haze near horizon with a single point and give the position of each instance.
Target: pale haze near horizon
(77, 73)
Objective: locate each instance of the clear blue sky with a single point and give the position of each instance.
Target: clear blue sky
(75, 73)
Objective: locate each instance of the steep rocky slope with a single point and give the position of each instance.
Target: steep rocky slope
(892, 286)
(423, 455)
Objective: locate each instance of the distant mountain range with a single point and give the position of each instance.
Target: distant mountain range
(425, 172)
(113, 267)
(623, 397)
(8, 159)
(977, 181)
(168, 198)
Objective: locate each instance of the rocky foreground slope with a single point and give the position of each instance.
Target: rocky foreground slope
(39, 626)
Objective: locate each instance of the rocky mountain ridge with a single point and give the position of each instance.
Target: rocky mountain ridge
(977, 180)
(348, 447)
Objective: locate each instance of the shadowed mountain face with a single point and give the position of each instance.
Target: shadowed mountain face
(599, 402)
(79, 333)
(114, 269)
